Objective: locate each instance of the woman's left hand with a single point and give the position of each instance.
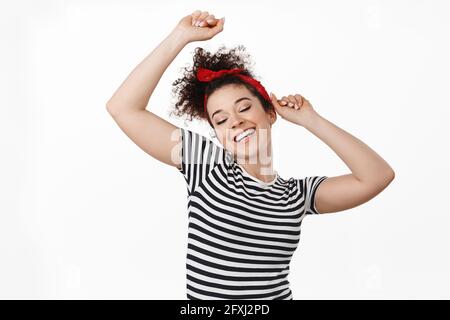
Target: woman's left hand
(293, 108)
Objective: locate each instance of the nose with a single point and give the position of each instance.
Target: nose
(235, 123)
(238, 121)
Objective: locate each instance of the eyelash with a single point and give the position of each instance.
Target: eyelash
(245, 109)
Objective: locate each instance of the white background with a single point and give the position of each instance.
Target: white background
(86, 214)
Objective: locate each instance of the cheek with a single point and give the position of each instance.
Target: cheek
(260, 117)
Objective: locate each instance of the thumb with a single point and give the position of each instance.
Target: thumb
(220, 23)
(274, 100)
(213, 30)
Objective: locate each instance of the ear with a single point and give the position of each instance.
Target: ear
(272, 116)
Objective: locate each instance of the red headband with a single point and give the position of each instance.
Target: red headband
(206, 75)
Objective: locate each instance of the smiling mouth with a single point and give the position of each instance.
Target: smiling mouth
(246, 135)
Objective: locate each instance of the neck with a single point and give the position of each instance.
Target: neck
(262, 171)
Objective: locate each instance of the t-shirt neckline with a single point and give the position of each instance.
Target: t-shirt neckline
(256, 179)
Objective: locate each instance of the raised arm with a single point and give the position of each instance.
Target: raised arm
(370, 173)
(127, 106)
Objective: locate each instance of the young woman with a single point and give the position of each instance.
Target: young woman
(244, 218)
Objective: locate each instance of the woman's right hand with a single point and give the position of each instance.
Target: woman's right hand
(206, 28)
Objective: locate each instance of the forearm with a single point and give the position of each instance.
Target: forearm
(365, 164)
(134, 93)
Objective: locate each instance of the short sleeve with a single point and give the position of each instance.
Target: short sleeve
(309, 188)
(199, 155)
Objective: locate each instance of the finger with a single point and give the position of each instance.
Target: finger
(275, 101)
(201, 20)
(299, 100)
(195, 15)
(211, 20)
(219, 25)
(204, 15)
(212, 30)
(292, 102)
(285, 102)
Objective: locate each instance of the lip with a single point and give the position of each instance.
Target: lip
(234, 138)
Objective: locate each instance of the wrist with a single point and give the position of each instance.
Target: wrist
(308, 119)
(178, 36)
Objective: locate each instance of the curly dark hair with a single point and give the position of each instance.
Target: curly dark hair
(191, 91)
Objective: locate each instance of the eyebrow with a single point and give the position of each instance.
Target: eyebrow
(236, 102)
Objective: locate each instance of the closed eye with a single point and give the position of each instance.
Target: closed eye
(245, 109)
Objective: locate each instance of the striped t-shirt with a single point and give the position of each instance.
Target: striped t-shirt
(242, 231)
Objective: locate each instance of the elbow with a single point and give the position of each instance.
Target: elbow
(389, 177)
(110, 110)
(380, 182)
(384, 179)
(387, 174)
(383, 182)
(390, 174)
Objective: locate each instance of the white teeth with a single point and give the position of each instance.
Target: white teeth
(244, 134)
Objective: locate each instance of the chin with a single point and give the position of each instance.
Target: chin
(249, 150)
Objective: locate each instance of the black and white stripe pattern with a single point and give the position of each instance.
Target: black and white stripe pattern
(242, 231)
